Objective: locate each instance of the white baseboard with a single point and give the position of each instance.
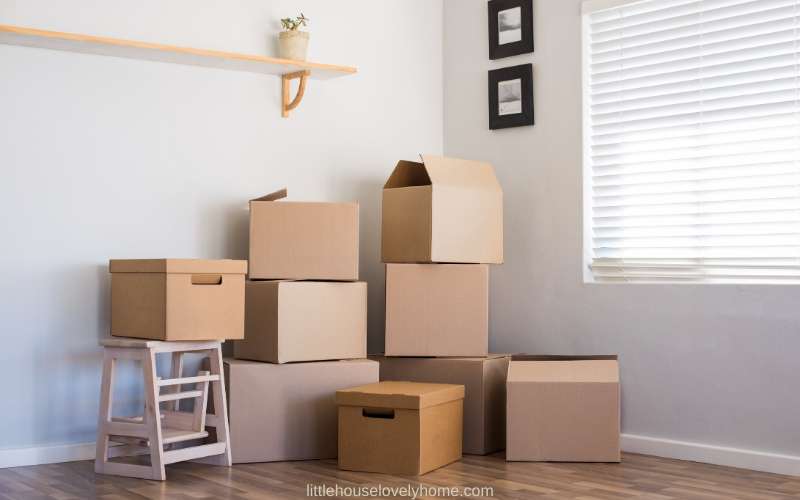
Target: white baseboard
(710, 454)
(19, 457)
(668, 448)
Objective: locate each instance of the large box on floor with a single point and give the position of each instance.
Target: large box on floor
(303, 240)
(288, 412)
(442, 210)
(437, 310)
(563, 409)
(304, 321)
(399, 427)
(484, 381)
(177, 299)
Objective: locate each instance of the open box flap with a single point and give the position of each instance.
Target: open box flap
(407, 174)
(464, 173)
(274, 196)
(569, 369)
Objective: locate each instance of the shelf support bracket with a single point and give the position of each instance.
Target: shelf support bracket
(286, 88)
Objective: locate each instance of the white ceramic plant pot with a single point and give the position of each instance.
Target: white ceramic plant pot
(293, 45)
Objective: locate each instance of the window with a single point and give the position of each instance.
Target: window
(692, 140)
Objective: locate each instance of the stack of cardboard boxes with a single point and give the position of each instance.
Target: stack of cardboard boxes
(305, 331)
(442, 224)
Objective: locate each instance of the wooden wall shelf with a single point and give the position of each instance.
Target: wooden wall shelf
(89, 44)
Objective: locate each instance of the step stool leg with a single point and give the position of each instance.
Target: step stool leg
(220, 409)
(152, 415)
(177, 369)
(104, 412)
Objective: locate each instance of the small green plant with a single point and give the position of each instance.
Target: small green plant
(294, 23)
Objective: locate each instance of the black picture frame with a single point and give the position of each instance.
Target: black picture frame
(524, 45)
(505, 118)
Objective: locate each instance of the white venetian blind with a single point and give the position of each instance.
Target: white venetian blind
(692, 141)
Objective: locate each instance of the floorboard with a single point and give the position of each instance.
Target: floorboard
(638, 476)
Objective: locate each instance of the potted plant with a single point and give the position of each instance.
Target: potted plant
(293, 43)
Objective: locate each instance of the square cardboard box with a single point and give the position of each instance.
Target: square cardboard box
(304, 321)
(484, 381)
(442, 210)
(177, 299)
(303, 240)
(563, 409)
(288, 412)
(404, 428)
(437, 310)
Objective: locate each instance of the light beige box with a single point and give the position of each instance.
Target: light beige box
(563, 409)
(303, 240)
(304, 321)
(177, 299)
(484, 381)
(437, 310)
(399, 427)
(442, 210)
(288, 412)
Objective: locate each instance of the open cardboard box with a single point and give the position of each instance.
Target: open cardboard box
(303, 240)
(563, 409)
(442, 210)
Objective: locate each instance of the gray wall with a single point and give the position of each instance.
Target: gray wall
(712, 364)
(117, 158)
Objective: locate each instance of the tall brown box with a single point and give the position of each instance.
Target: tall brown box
(177, 299)
(442, 210)
(304, 321)
(484, 381)
(563, 409)
(399, 427)
(303, 240)
(437, 310)
(288, 412)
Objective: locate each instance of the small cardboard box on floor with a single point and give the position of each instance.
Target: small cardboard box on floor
(177, 299)
(288, 412)
(437, 310)
(484, 381)
(442, 210)
(563, 409)
(403, 428)
(303, 240)
(289, 321)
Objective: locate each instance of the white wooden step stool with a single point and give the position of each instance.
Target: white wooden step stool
(148, 434)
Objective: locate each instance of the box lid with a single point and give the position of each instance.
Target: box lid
(440, 170)
(178, 266)
(533, 368)
(409, 395)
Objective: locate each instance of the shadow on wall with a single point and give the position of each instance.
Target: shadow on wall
(368, 192)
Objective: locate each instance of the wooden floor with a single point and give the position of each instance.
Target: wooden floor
(639, 476)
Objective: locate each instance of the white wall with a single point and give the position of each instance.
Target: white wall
(116, 158)
(709, 364)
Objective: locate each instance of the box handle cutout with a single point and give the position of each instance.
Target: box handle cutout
(378, 413)
(206, 279)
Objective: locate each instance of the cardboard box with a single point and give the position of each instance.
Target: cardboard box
(288, 412)
(177, 299)
(484, 381)
(442, 210)
(563, 409)
(303, 240)
(399, 427)
(437, 310)
(304, 321)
